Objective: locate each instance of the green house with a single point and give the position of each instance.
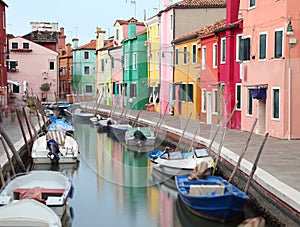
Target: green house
(135, 70)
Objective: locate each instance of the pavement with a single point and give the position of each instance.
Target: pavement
(278, 168)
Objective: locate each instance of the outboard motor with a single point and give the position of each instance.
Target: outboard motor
(54, 151)
(139, 135)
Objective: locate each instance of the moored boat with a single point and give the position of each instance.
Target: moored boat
(211, 197)
(49, 187)
(140, 136)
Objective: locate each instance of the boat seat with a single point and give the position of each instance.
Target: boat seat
(58, 136)
(38, 193)
(207, 190)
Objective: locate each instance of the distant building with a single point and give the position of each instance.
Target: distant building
(31, 65)
(65, 75)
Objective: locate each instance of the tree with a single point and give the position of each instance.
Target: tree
(45, 87)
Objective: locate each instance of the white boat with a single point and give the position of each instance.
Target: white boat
(28, 212)
(177, 163)
(95, 119)
(49, 187)
(105, 123)
(55, 147)
(82, 115)
(141, 136)
(119, 129)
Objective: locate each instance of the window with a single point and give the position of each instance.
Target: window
(150, 62)
(126, 67)
(182, 92)
(115, 88)
(176, 56)
(250, 102)
(203, 58)
(194, 60)
(71, 70)
(86, 70)
(245, 49)
(15, 88)
(102, 65)
(51, 65)
(157, 31)
(134, 62)
(25, 45)
(190, 92)
(223, 50)
(89, 88)
(203, 100)
(157, 60)
(278, 44)
(185, 55)
(112, 62)
(239, 51)
(262, 46)
(252, 3)
(276, 103)
(171, 22)
(14, 45)
(132, 90)
(215, 100)
(238, 96)
(215, 55)
(13, 66)
(86, 55)
(117, 34)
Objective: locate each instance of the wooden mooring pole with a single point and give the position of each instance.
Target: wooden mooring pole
(23, 132)
(183, 131)
(8, 156)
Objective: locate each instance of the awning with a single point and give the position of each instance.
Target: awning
(259, 93)
(13, 82)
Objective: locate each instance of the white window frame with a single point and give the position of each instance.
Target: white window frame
(203, 60)
(223, 53)
(215, 55)
(236, 93)
(86, 67)
(238, 43)
(126, 63)
(215, 101)
(92, 88)
(251, 7)
(247, 111)
(86, 55)
(263, 59)
(185, 55)
(134, 61)
(282, 42)
(194, 56)
(176, 56)
(203, 100)
(275, 119)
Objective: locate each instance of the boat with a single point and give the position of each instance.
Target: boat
(55, 147)
(49, 187)
(61, 125)
(212, 197)
(141, 136)
(82, 115)
(178, 163)
(119, 128)
(64, 105)
(105, 123)
(28, 212)
(95, 119)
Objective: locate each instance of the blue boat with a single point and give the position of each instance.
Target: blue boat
(212, 197)
(61, 125)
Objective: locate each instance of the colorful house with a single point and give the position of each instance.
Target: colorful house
(135, 71)
(211, 92)
(154, 57)
(179, 19)
(22, 76)
(270, 67)
(65, 71)
(84, 67)
(103, 67)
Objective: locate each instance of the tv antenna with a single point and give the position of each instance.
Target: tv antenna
(133, 2)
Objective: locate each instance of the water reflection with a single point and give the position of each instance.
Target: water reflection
(115, 186)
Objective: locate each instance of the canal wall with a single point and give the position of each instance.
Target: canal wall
(277, 197)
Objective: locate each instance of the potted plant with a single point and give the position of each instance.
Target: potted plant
(45, 87)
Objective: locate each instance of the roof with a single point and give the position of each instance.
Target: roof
(107, 44)
(89, 46)
(121, 22)
(197, 4)
(201, 32)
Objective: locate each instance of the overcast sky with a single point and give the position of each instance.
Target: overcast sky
(79, 18)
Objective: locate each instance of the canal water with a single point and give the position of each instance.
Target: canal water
(115, 186)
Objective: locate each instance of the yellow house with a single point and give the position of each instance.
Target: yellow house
(186, 77)
(154, 56)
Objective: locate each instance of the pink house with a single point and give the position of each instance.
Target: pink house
(270, 68)
(33, 65)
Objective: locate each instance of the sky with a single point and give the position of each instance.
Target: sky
(79, 18)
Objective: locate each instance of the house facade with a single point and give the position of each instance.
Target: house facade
(65, 75)
(24, 77)
(179, 19)
(270, 67)
(84, 68)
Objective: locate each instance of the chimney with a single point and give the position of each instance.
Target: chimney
(99, 38)
(166, 3)
(75, 42)
(132, 27)
(68, 49)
